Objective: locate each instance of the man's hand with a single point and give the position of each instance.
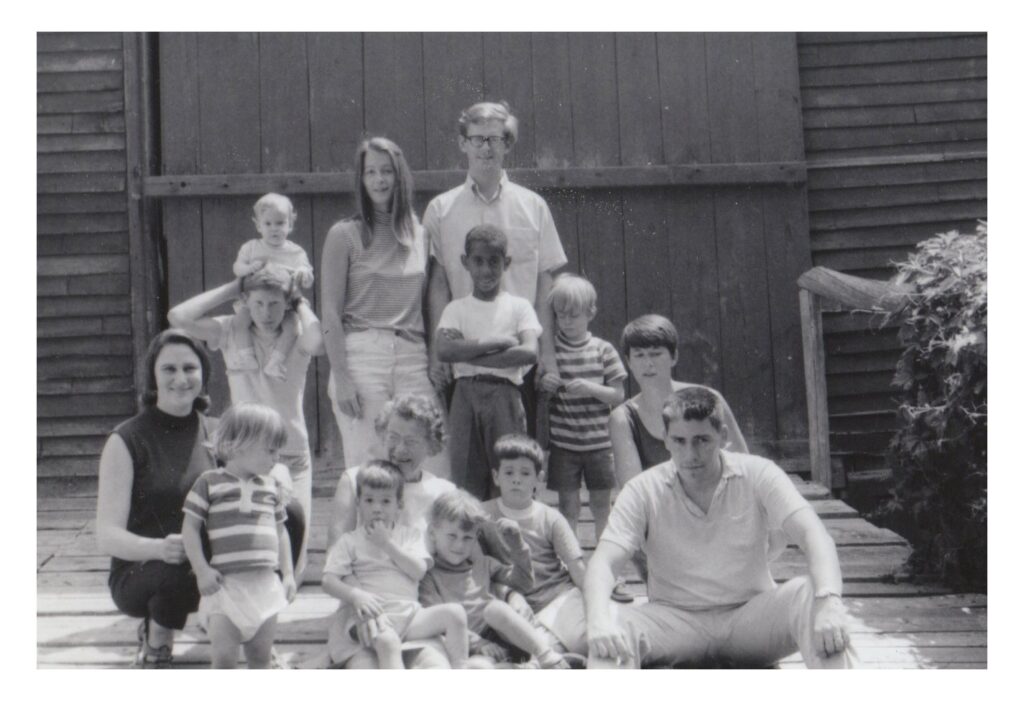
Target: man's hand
(208, 580)
(830, 636)
(608, 641)
(172, 549)
(378, 532)
(439, 374)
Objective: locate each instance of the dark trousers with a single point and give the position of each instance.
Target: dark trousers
(482, 411)
(167, 593)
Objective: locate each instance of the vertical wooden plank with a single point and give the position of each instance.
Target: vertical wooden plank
(748, 379)
(179, 147)
(229, 142)
(564, 212)
(336, 126)
(394, 104)
(453, 79)
(693, 260)
(682, 76)
(814, 377)
(144, 271)
(285, 148)
(552, 114)
(640, 130)
(596, 143)
(645, 225)
(786, 227)
(508, 76)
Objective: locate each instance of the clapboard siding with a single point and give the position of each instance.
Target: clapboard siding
(895, 129)
(84, 349)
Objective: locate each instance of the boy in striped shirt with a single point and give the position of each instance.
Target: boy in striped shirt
(242, 510)
(588, 384)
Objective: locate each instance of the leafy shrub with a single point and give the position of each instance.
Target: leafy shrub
(939, 455)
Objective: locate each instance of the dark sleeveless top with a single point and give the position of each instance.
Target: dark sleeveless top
(651, 450)
(160, 446)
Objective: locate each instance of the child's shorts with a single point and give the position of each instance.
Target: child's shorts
(567, 467)
(247, 598)
(343, 643)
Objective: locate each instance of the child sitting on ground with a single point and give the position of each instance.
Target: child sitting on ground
(375, 571)
(588, 384)
(243, 512)
(274, 217)
(555, 552)
(491, 337)
(463, 574)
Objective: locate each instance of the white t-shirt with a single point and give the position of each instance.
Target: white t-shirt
(505, 315)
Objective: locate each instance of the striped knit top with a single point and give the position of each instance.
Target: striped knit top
(581, 423)
(386, 280)
(241, 518)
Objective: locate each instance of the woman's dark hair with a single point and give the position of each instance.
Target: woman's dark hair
(148, 395)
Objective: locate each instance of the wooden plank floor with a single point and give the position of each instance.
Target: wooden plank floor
(896, 623)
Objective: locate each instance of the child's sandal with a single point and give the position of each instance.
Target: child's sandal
(148, 657)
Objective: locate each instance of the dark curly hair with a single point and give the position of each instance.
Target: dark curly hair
(415, 407)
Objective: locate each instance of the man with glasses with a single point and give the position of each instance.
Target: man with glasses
(487, 132)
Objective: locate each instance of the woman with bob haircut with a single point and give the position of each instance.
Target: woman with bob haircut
(373, 279)
(146, 470)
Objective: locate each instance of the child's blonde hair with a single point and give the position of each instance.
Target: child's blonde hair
(460, 507)
(272, 200)
(247, 424)
(572, 293)
(380, 474)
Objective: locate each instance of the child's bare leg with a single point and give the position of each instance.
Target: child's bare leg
(275, 365)
(569, 505)
(257, 650)
(449, 619)
(388, 647)
(521, 633)
(601, 506)
(224, 642)
(241, 335)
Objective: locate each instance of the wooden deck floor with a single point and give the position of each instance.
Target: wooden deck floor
(896, 623)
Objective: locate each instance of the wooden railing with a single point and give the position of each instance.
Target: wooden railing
(823, 289)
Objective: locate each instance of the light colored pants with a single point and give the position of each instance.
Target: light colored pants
(759, 633)
(301, 473)
(382, 365)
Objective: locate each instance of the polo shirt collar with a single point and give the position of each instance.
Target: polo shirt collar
(728, 470)
(502, 182)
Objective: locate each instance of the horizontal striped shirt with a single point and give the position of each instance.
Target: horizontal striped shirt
(581, 423)
(385, 281)
(241, 518)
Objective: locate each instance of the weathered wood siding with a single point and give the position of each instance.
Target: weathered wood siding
(721, 260)
(895, 132)
(85, 352)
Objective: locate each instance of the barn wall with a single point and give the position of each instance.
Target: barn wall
(895, 129)
(84, 322)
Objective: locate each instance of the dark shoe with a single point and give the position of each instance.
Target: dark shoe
(148, 657)
(575, 661)
(620, 594)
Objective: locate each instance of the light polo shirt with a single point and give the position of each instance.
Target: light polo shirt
(256, 386)
(700, 561)
(533, 243)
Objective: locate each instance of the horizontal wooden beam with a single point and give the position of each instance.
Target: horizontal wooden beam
(698, 174)
(911, 159)
(853, 292)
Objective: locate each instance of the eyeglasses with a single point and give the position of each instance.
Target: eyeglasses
(479, 141)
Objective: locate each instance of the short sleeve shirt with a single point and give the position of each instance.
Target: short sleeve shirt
(256, 386)
(700, 561)
(505, 315)
(354, 554)
(581, 423)
(533, 243)
(289, 255)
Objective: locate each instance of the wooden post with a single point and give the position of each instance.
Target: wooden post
(142, 255)
(817, 394)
